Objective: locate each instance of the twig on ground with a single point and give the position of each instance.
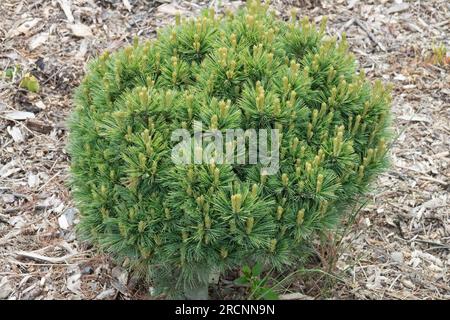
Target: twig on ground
(38, 257)
(370, 34)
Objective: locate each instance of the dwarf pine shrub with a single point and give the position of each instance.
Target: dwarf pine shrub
(176, 224)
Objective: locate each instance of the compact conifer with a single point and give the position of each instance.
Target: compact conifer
(178, 224)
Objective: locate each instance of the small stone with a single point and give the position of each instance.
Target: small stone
(33, 180)
(407, 283)
(16, 134)
(87, 270)
(66, 219)
(351, 3)
(5, 288)
(17, 222)
(397, 257)
(38, 40)
(8, 198)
